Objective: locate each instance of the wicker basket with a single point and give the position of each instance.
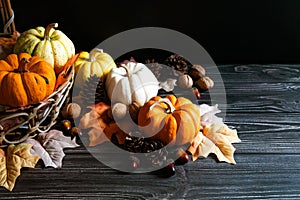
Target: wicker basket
(19, 124)
(9, 35)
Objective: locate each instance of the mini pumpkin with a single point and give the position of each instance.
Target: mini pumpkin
(131, 82)
(25, 80)
(96, 63)
(172, 120)
(50, 44)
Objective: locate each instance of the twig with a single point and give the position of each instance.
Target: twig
(10, 12)
(2, 12)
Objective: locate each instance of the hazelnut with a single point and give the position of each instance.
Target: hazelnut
(205, 83)
(185, 81)
(119, 111)
(72, 110)
(196, 71)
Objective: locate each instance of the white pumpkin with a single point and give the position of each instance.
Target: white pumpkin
(131, 82)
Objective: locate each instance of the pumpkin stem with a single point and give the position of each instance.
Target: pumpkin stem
(48, 28)
(171, 108)
(23, 65)
(93, 53)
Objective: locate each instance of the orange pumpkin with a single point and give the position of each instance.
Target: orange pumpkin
(25, 80)
(170, 120)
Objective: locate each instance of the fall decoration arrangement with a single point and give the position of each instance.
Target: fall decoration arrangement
(131, 104)
(145, 115)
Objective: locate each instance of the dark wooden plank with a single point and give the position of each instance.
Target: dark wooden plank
(255, 176)
(268, 166)
(258, 73)
(267, 133)
(262, 104)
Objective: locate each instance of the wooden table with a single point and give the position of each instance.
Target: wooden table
(263, 103)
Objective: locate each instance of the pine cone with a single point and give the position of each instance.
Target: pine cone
(93, 91)
(178, 63)
(146, 145)
(155, 67)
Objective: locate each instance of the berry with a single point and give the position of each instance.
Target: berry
(135, 162)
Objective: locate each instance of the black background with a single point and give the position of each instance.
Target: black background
(231, 31)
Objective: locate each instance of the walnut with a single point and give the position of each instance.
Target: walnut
(205, 83)
(196, 72)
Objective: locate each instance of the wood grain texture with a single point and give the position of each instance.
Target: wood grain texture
(263, 104)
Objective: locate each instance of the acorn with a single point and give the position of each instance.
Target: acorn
(183, 157)
(196, 93)
(185, 81)
(67, 125)
(75, 132)
(196, 72)
(205, 83)
(167, 171)
(72, 110)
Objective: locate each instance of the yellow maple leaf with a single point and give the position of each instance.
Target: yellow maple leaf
(11, 162)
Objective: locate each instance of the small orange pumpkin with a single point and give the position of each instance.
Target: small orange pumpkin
(25, 80)
(170, 119)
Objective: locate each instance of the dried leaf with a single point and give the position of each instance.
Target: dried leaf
(89, 120)
(201, 146)
(64, 74)
(54, 142)
(96, 136)
(208, 115)
(16, 157)
(38, 150)
(217, 137)
(97, 120)
(231, 134)
(103, 127)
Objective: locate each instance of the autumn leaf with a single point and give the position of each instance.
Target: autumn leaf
(216, 142)
(216, 137)
(38, 150)
(11, 162)
(168, 85)
(49, 147)
(101, 125)
(63, 76)
(208, 115)
(95, 120)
